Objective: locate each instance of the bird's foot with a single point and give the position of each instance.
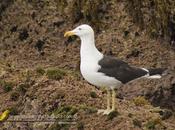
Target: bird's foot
(105, 112)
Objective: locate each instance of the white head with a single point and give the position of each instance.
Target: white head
(81, 31)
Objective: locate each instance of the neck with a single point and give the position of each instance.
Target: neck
(88, 48)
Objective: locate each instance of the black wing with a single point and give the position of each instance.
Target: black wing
(119, 69)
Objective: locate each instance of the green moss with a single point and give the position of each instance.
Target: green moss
(140, 101)
(14, 96)
(7, 86)
(112, 115)
(55, 74)
(93, 94)
(40, 71)
(137, 123)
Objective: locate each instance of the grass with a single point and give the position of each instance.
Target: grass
(55, 74)
(140, 101)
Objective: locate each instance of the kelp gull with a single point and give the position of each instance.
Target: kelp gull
(106, 71)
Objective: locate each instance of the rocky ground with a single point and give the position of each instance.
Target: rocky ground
(39, 68)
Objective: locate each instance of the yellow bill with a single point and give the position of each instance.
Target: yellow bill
(69, 33)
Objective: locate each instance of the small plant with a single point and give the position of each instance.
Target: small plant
(14, 96)
(55, 74)
(112, 115)
(140, 101)
(137, 123)
(40, 71)
(93, 94)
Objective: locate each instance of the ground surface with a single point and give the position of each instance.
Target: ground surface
(39, 71)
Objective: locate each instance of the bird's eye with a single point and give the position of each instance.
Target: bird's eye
(79, 29)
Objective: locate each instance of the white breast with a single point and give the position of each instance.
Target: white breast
(89, 70)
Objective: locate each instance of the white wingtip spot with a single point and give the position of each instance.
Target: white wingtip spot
(155, 77)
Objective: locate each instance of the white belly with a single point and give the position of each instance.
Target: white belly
(89, 72)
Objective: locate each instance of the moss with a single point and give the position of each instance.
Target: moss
(80, 126)
(14, 96)
(112, 115)
(7, 86)
(40, 71)
(93, 94)
(55, 74)
(140, 101)
(137, 123)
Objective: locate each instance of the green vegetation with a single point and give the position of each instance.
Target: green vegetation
(93, 94)
(112, 115)
(55, 74)
(140, 101)
(40, 71)
(7, 86)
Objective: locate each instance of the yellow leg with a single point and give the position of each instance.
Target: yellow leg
(113, 99)
(108, 99)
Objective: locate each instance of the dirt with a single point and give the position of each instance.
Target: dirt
(32, 42)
